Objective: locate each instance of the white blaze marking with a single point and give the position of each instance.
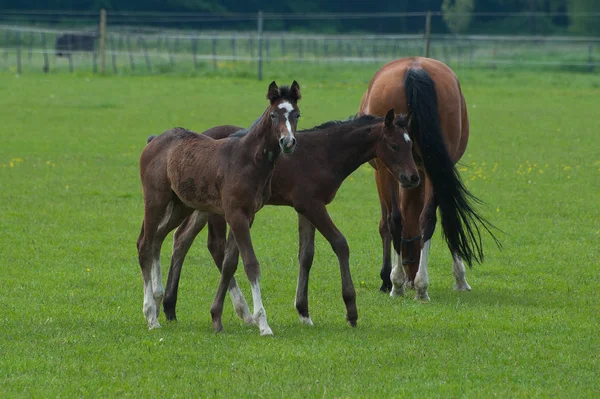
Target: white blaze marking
(406, 138)
(288, 108)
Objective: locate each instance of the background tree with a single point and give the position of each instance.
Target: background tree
(457, 14)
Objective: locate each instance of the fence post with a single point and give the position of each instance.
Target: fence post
(260, 30)
(427, 33)
(18, 37)
(102, 41)
(214, 52)
(46, 66)
(590, 59)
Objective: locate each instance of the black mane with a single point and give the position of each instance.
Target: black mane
(361, 120)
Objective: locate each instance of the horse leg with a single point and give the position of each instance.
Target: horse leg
(176, 212)
(412, 206)
(182, 241)
(217, 238)
(397, 276)
(318, 216)
(428, 220)
(306, 252)
(154, 211)
(239, 225)
(386, 185)
(459, 271)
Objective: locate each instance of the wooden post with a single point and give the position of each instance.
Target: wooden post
(214, 52)
(427, 33)
(114, 54)
(18, 38)
(590, 58)
(102, 41)
(260, 31)
(130, 52)
(46, 66)
(195, 52)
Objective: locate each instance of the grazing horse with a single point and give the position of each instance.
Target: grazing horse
(429, 91)
(183, 171)
(326, 155)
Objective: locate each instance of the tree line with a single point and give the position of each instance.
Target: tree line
(536, 16)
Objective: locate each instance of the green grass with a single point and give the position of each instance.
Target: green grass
(71, 290)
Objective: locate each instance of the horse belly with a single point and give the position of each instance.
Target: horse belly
(199, 195)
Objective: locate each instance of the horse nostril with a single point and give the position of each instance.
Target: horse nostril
(414, 178)
(281, 142)
(293, 141)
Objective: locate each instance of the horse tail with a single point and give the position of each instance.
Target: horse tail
(150, 138)
(460, 221)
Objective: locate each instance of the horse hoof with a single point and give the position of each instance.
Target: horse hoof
(397, 292)
(266, 332)
(306, 321)
(423, 298)
(352, 323)
(385, 288)
(153, 324)
(465, 287)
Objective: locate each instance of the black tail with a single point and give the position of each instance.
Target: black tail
(460, 222)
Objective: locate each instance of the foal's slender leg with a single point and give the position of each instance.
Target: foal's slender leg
(176, 212)
(385, 184)
(459, 271)
(427, 222)
(217, 235)
(412, 205)
(306, 252)
(182, 241)
(239, 225)
(154, 210)
(317, 214)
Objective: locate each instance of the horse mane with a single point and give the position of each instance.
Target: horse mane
(359, 120)
(243, 132)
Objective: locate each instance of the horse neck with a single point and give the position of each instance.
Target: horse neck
(349, 147)
(261, 138)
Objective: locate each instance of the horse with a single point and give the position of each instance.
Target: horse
(326, 155)
(182, 172)
(430, 92)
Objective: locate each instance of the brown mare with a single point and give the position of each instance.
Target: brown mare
(326, 155)
(429, 91)
(183, 171)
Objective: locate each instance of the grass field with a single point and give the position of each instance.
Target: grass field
(71, 289)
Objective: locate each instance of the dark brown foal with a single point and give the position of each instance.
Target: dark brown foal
(326, 155)
(183, 172)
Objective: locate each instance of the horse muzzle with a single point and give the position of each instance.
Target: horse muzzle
(411, 181)
(287, 144)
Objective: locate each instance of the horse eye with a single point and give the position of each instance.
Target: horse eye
(272, 116)
(394, 146)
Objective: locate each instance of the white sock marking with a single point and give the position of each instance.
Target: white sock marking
(459, 271)
(260, 315)
(422, 279)
(397, 275)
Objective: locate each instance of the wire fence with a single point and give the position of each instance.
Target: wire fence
(133, 43)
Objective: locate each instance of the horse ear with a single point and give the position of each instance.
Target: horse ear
(296, 91)
(389, 118)
(273, 93)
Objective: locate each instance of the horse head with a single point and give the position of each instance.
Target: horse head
(284, 114)
(395, 150)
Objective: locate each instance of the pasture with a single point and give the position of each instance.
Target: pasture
(71, 206)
